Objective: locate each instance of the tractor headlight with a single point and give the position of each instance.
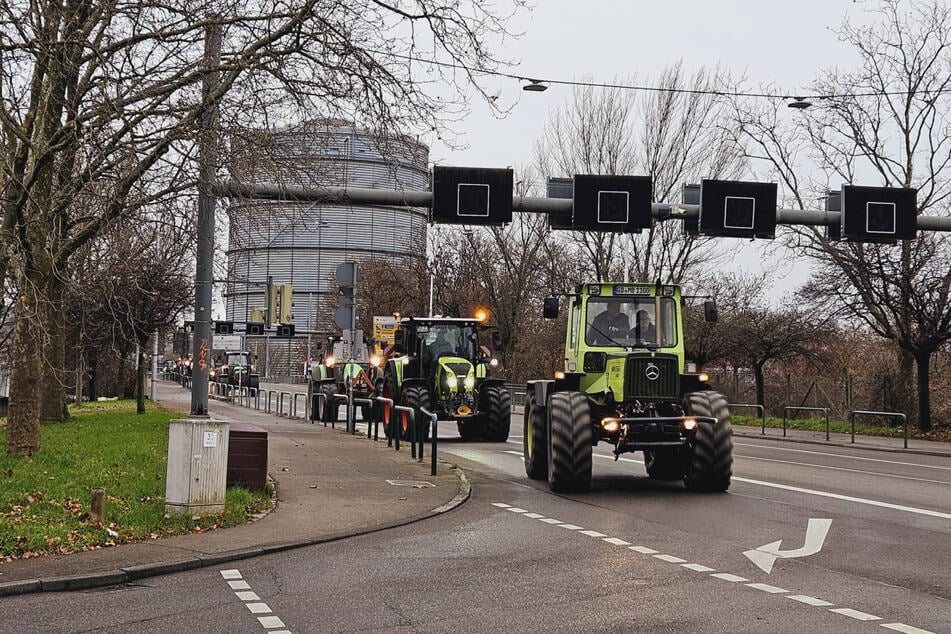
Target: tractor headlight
(330, 361)
(610, 425)
(493, 362)
(376, 360)
(452, 382)
(469, 382)
(690, 424)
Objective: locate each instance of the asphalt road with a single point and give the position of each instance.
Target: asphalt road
(864, 549)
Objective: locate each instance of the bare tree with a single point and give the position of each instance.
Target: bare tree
(100, 101)
(892, 123)
(676, 134)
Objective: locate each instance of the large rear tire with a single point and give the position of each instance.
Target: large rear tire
(495, 403)
(391, 391)
(535, 440)
(330, 412)
(416, 397)
(666, 465)
(569, 442)
(711, 464)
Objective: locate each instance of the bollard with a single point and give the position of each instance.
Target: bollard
(97, 505)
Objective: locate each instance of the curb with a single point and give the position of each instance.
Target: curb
(133, 573)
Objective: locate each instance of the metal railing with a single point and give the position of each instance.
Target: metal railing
(825, 410)
(760, 408)
(904, 421)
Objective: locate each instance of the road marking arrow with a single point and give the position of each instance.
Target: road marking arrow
(765, 556)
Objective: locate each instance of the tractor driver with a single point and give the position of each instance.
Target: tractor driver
(643, 328)
(609, 324)
(440, 347)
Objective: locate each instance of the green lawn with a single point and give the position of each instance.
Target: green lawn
(44, 498)
(863, 426)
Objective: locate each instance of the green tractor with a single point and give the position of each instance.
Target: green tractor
(437, 363)
(237, 369)
(624, 383)
(341, 372)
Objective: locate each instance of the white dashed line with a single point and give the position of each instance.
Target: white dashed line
(270, 622)
(907, 629)
(855, 614)
(725, 576)
(253, 602)
(670, 559)
(765, 587)
(593, 534)
(802, 598)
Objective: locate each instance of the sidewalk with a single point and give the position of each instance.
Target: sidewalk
(330, 485)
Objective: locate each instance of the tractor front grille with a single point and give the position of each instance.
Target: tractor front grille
(651, 377)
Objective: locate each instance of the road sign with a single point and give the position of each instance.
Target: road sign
(348, 273)
(737, 209)
(472, 195)
(878, 214)
(384, 329)
(611, 203)
(254, 328)
(560, 188)
(343, 316)
(690, 195)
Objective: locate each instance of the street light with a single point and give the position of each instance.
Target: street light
(535, 85)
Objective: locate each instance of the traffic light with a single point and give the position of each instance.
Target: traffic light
(224, 327)
(271, 299)
(285, 331)
(287, 303)
(254, 329)
(348, 275)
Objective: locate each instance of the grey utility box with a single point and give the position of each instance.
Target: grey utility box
(197, 466)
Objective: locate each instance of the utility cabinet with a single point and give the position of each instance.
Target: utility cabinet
(197, 465)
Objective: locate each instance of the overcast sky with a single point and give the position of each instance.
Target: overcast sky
(779, 44)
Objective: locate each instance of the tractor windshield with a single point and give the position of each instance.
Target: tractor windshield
(627, 321)
(236, 359)
(450, 340)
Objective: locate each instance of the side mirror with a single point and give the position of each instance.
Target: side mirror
(710, 313)
(550, 310)
(496, 339)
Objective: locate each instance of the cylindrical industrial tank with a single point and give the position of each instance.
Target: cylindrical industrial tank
(301, 243)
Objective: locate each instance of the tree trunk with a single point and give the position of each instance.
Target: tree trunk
(53, 392)
(760, 388)
(23, 422)
(923, 360)
(905, 387)
(140, 381)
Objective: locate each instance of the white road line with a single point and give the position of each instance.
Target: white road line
(258, 608)
(270, 622)
(839, 455)
(592, 533)
(571, 527)
(847, 498)
(501, 505)
(239, 585)
(534, 516)
(890, 476)
(549, 520)
(248, 596)
(765, 587)
(907, 629)
(230, 574)
(515, 509)
(802, 598)
(725, 576)
(855, 614)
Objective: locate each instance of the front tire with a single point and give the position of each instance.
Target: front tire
(331, 408)
(535, 440)
(496, 406)
(569, 442)
(711, 464)
(416, 397)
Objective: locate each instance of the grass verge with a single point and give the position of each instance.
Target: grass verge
(939, 433)
(44, 498)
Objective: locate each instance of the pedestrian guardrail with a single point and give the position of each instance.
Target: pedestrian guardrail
(899, 415)
(760, 408)
(434, 428)
(825, 410)
(518, 393)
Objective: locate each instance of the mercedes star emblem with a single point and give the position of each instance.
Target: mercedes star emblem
(652, 372)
